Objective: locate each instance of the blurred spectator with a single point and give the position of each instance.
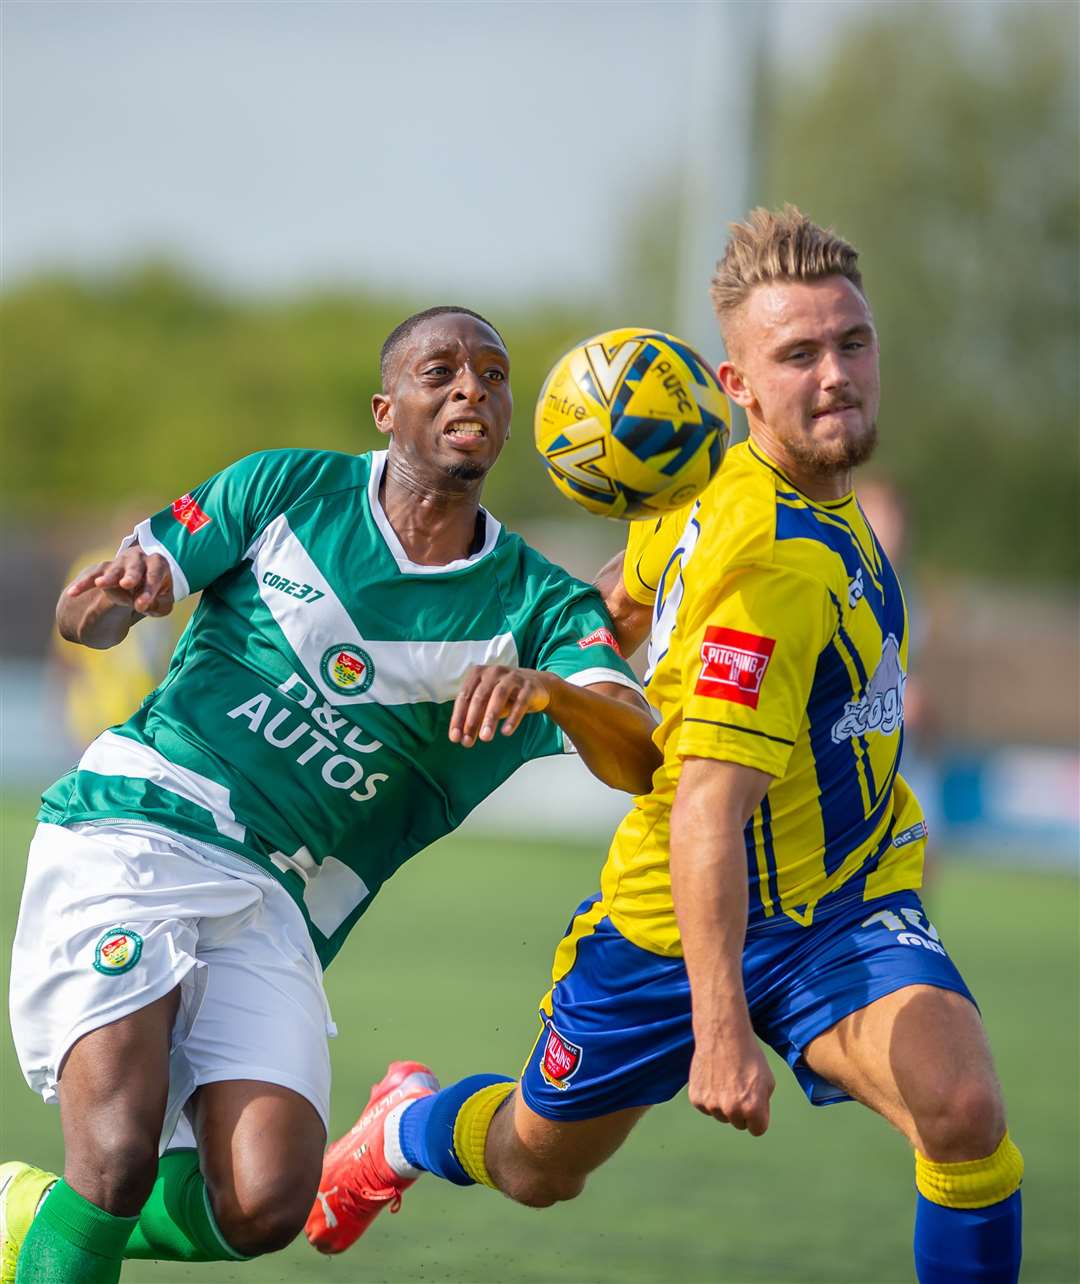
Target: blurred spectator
(99, 689)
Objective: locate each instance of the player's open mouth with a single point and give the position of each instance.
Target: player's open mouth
(468, 432)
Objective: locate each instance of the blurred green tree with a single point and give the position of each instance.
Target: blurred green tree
(145, 382)
(948, 152)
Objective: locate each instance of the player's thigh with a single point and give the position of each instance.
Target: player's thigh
(919, 1057)
(616, 1038)
(256, 1064)
(113, 1087)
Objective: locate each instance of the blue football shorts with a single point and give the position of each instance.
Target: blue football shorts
(619, 1033)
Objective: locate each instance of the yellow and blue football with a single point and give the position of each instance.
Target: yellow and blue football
(632, 424)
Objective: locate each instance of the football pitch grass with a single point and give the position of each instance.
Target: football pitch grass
(447, 968)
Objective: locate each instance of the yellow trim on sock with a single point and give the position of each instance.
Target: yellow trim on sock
(973, 1184)
(471, 1129)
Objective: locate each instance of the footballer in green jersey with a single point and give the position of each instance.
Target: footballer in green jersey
(372, 655)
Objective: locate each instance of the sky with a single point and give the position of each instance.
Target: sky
(422, 147)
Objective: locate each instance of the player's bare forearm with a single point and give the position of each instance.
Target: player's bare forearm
(730, 1079)
(631, 620)
(611, 727)
(98, 608)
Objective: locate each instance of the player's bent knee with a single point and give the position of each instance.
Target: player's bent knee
(114, 1169)
(262, 1210)
(263, 1227)
(967, 1121)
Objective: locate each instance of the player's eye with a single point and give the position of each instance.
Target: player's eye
(497, 375)
(437, 371)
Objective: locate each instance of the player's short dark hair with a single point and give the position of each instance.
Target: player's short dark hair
(399, 335)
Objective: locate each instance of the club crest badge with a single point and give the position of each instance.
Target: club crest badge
(348, 669)
(561, 1059)
(118, 951)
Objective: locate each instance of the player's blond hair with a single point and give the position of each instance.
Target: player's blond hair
(778, 245)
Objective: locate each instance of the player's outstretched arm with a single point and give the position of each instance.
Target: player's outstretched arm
(631, 619)
(729, 1076)
(610, 725)
(102, 603)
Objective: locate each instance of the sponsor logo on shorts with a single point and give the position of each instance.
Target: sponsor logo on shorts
(188, 513)
(733, 665)
(601, 637)
(348, 668)
(118, 951)
(561, 1059)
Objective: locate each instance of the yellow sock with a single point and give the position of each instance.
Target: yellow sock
(976, 1183)
(471, 1129)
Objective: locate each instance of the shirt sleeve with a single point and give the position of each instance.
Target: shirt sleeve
(570, 634)
(205, 532)
(649, 547)
(751, 647)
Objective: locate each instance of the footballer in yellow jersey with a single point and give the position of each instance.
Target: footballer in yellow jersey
(765, 888)
(790, 657)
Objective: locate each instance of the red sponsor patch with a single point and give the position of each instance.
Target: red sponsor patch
(189, 514)
(561, 1059)
(733, 665)
(601, 637)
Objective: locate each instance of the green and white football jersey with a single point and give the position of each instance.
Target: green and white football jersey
(303, 720)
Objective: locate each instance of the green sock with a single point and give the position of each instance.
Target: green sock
(177, 1223)
(72, 1240)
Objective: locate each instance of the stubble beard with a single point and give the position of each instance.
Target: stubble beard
(827, 459)
(466, 472)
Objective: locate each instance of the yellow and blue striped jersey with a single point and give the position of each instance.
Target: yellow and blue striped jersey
(779, 641)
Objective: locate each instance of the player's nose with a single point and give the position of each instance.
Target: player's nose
(832, 371)
(469, 386)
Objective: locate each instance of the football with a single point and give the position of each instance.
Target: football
(632, 424)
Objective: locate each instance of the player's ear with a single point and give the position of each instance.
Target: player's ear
(734, 384)
(382, 411)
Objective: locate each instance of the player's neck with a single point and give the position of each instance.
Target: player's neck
(822, 487)
(435, 525)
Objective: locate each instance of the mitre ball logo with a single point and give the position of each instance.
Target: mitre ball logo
(118, 950)
(348, 669)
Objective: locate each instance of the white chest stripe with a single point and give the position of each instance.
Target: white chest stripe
(407, 672)
(113, 755)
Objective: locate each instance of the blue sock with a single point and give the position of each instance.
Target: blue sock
(968, 1245)
(427, 1128)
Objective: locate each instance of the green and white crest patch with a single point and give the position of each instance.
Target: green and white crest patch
(348, 668)
(118, 951)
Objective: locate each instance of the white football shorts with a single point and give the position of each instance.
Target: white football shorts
(114, 915)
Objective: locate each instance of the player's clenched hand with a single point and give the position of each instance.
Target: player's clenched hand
(492, 693)
(732, 1082)
(133, 578)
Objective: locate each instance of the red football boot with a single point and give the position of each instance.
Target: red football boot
(357, 1181)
